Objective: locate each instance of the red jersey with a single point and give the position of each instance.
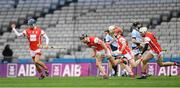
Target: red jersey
(34, 37)
(122, 40)
(152, 41)
(95, 43)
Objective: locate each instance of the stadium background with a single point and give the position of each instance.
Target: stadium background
(65, 20)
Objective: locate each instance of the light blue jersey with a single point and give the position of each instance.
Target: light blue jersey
(108, 38)
(113, 45)
(136, 35)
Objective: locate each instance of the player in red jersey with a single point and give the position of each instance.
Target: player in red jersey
(34, 33)
(155, 51)
(101, 50)
(123, 47)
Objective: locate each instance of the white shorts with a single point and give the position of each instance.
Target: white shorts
(129, 55)
(33, 53)
(103, 53)
(155, 54)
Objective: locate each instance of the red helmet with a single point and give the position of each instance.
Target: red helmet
(118, 30)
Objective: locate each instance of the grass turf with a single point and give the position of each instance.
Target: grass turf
(90, 82)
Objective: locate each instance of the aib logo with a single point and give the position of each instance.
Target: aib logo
(11, 70)
(152, 69)
(56, 69)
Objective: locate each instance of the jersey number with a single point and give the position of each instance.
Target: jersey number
(32, 37)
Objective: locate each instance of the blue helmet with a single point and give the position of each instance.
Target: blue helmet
(31, 22)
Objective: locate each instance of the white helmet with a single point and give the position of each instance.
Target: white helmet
(112, 27)
(143, 29)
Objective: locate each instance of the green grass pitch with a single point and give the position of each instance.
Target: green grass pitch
(90, 82)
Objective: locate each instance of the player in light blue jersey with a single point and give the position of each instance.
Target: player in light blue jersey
(136, 41)
(110, 40)
(136, 38)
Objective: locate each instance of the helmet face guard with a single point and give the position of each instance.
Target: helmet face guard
(143, 29)
(111, 28)
(83, 36)
(31, 22)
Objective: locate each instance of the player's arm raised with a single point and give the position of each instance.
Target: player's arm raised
(46, 38)
(13, 26)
